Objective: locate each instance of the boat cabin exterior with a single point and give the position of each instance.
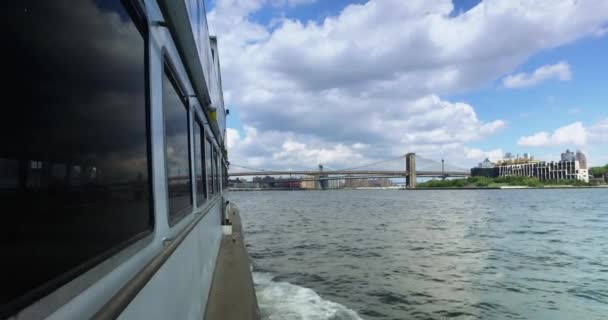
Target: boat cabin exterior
(112, 159)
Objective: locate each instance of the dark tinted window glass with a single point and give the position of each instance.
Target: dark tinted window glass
(217, 170)
(225, 177)
(178, 159)
(73, 142)
(214, 165)
(199, 158)
(221, 168)
(208, 162)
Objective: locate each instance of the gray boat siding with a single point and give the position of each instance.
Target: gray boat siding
(179, 289)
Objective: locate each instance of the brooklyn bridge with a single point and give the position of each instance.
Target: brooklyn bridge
(409, 166)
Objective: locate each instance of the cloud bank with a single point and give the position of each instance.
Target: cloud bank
(573, 134)
(367, 83)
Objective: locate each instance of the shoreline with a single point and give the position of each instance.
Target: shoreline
(431, 188)
(513, 188)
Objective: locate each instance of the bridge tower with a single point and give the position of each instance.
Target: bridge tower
(322, 183)
(410, 170)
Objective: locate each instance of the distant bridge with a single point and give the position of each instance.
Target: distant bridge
(374, 173)
(414, 166)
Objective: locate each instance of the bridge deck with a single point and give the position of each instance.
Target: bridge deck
(353, 173)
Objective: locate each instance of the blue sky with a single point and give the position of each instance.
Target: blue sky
(551, 104)
(345, 82)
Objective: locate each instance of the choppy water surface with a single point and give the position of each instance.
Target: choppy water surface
(486, 254)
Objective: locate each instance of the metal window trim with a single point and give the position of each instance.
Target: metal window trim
(198, 122)
(127, 293)
(175, 13)
(210, 174)
(169, 70)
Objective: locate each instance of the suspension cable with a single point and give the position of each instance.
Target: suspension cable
(371, 164)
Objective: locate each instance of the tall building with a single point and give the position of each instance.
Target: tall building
(310, 184)
(568, 156)
(486, 164)
(582, 159)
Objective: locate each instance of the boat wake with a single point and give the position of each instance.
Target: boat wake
(286, 301)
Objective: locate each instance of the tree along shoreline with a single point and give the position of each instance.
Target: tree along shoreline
(598, 171)
(485, 182)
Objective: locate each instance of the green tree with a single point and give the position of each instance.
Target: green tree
(598, 171)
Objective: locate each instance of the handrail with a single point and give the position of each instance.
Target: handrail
(121, 300)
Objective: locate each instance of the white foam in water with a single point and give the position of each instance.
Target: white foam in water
(286, 301)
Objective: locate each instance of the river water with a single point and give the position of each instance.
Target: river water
(461, 254)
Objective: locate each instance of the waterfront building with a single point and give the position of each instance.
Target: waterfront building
(309, 184)
(582, 159)
(335, 184)
(356, 183)
(486, 168)
(568, 155)
(487, 164)
(570, 167)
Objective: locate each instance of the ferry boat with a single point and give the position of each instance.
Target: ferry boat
(113, 162)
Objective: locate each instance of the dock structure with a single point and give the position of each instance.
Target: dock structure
(232, 295)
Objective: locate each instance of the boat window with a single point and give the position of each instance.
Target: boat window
(216, 177)
(199, 159)
(212, 164)
(175, 111)
(74, 164)
(225, 176)
(208, 167)
(219, 171)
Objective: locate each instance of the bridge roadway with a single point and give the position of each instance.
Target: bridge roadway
(363, 174)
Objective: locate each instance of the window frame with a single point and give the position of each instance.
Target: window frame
(137, 14)
(209, 170)
(201, 143)
(168, 69)
(211, 159)
(218, 170)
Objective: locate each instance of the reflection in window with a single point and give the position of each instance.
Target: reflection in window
(225, 177)
(214, 159)
(73, 142)
(194, 12)
(199, 159)
(217, 170)
(208, 166)
(58, 173)
(221, 169)
(9, 178)
(178, 159)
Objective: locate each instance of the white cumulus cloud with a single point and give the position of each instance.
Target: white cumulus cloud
(573, 134)
(560, 71)
(476, 154)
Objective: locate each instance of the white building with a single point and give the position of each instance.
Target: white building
(571, 167)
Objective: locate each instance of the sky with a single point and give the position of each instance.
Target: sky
(344, 83)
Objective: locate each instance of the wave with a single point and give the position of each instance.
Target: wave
(286, 301)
